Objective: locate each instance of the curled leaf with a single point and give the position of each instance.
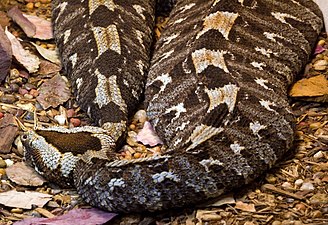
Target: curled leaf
(8, 132)
(51, 55)
(245, 206)
(26, 58)
(319, 49)
(310, 87)
(48, 68)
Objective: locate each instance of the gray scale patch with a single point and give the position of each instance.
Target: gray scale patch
(160, 177)
(262, 83)
(139, 9)
(62, 7)
(116, 182)
(227, 94)
(73, 59)
(178, 110)
(220, 21)
(107, 38)
(68, 162)
(67, 34)
(48, 153)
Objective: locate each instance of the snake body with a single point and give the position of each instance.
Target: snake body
(215, 90)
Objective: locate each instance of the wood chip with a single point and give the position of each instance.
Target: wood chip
(45, 212)
(8, 131)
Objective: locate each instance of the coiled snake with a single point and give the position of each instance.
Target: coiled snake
(215, 90)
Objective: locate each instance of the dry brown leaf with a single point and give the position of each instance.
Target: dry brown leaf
(53, 92)
(17, 16)
(30, 61)
(310, 87)
(245, 207)
(63, 199)
(22, 174)
(24, 200)
(51, 55)
(45, 212)
(4, 20)
(43, 27)
(48, 68)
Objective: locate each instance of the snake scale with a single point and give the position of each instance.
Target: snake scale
(215, 90)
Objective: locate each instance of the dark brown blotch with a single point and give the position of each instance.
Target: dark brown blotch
(77, 143)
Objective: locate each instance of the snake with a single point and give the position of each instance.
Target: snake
(215, 88)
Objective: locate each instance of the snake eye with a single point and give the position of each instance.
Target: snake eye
(24, 137)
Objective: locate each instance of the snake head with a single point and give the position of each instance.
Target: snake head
(54, 151)
(47, 160)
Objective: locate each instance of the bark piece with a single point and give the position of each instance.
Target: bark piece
(8, 131)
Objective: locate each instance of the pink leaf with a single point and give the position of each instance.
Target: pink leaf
(17, 16)
(24, 200)
(324, 9)
(319, 49)
(148, 136)
(76, 216)
(22, 174)
(43, 27)
(33, 26)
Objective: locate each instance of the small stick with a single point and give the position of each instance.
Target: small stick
(280, 191)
